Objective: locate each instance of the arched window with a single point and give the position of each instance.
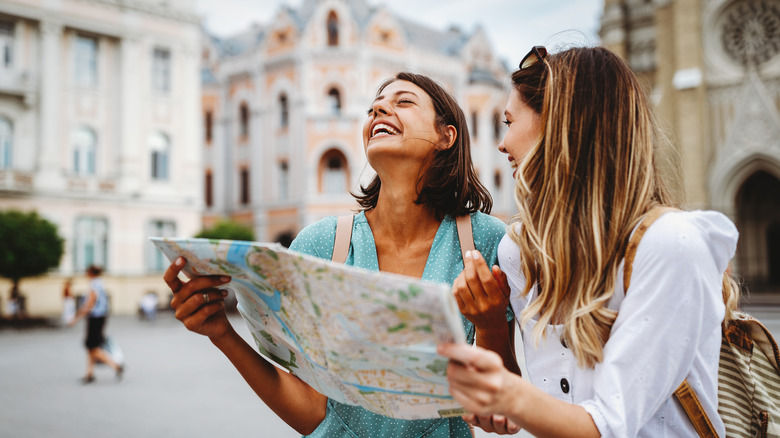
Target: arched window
(84, 150)
(243, 112)
(333, 29)
(334, 101)
(757, 209)
(285, 239)
(284, 111)
(6, 143)
(160, 146)
(333, 171)
(497, 125)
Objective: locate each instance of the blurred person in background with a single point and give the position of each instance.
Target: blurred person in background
(95, 309)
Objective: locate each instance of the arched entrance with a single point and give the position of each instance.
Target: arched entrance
(758, 219)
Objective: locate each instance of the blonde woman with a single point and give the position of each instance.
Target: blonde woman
(601, 360)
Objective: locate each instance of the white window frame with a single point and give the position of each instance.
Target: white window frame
(155, 260)
(86, 61)
(284, 180)
(84, 151)
(90, 242)
(161, 70)
(7, 42)
(160, 153)
(6, 142)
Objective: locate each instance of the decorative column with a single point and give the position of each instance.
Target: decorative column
(131, 133)
(51, 138)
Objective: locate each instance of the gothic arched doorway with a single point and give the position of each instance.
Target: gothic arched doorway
(758, 220)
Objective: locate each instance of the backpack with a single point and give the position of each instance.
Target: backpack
(748, 371)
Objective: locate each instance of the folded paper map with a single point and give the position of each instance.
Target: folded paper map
(357, 336)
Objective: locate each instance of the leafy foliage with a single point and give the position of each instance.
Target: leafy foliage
(226, 229)
(29, 245)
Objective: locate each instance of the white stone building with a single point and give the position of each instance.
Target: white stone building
(99, 133)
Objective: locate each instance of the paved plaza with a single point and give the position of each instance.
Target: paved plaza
(176, 385)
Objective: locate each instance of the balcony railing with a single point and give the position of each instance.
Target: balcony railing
(18, 83)
(16, 180)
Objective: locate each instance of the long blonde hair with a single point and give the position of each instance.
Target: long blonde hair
(582, 189)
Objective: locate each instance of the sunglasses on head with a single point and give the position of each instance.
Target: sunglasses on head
(536, 54)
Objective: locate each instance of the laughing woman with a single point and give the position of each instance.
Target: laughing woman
(416, 139)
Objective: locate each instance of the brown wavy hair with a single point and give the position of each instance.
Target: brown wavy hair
(448, 183)
(583, 188)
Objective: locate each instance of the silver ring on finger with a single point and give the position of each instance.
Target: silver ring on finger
(206, 297)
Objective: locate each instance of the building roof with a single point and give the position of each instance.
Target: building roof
(449, 42)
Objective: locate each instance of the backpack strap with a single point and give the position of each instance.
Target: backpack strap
(684, 394)
(343, 238)
(694, 410)
(465, 234)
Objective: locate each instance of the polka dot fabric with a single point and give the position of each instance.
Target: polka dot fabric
(444, 264)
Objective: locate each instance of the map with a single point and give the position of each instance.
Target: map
(357, 336)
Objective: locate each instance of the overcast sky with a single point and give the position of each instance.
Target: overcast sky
(512, 26)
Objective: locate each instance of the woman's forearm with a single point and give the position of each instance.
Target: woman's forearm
(294, 401)
(500, 340)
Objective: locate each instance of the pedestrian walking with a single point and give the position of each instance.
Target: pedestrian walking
(95, 309)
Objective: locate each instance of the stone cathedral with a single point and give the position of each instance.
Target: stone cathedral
(712, 68)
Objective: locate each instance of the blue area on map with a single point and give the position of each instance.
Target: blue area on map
(364, 388)
(236, 255)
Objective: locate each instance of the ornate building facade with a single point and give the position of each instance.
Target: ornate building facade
(98, 104)
(284, 104)
(712, 67)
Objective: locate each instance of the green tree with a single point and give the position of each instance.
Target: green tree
(29, 246)
(226, 229)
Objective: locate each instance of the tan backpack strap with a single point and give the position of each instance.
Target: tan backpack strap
(633, 242)
(465, 235)
(343, 238)
(693, 408)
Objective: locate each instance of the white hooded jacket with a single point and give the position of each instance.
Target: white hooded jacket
(668, 329)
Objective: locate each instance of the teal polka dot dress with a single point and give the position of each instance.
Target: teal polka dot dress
(444, 264)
